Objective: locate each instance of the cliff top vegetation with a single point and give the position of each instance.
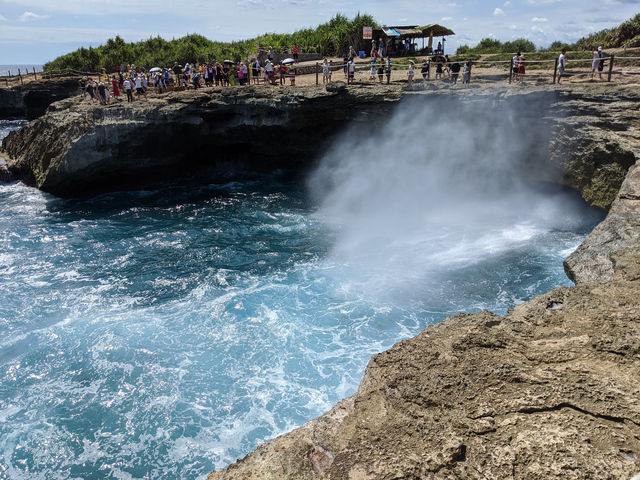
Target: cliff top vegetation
(627, 34)
(328, 39)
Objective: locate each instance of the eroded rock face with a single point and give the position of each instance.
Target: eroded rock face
(540, 393)
(595, 141)
(78, 148)
(82, 148)
(32, 99)
(549, 391)
(613, 248)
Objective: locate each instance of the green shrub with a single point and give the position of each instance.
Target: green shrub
(332, 38)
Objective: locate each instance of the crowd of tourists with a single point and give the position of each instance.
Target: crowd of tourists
(129, 80)
(133, 82)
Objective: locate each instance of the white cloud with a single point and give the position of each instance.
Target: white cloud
(444, 19)
(543, 2)
(539, 20)
(3, 19)
(11, 35)
(507, 4)
(28, 16)
(498, 12)
(513, 27)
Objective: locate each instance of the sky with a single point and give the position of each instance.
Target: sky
(36, 31)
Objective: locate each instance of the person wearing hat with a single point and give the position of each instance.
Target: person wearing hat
(352, 53)
(102, 92)
(601, 64)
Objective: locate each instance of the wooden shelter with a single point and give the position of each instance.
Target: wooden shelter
(397, 38)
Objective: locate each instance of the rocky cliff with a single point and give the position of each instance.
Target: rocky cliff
(82, 148)
(32, 99)
(550, 390)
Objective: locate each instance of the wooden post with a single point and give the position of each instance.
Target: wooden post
(555, 71)
(610, 67)
(20, 75)
(317, 73)
(35, 76)
(511, 70)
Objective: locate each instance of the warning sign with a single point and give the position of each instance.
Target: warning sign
(367, 33)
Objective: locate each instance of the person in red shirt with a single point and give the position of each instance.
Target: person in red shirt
(114, 85)
(295, 52)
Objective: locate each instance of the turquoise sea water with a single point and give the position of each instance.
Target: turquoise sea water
(162, 334)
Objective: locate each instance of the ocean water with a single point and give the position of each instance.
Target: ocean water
(13, 69)
(166, 333)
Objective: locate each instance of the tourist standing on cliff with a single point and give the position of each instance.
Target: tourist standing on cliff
(597, 63)
(562, 64)
(91, 89)
(380, 71)
(352, 53)
(255, 71)
(351, 71)
(410, 71)
(128, 89)
(139, 90)
(466, 72)
(381, 48)
(455, 72)
(374, 49)
(326, 71)
(388, 70)
(102, 93)
(439, 68)
(426, 69)
(521, 70)
(292, 75)
(514, 65)
(114, 86)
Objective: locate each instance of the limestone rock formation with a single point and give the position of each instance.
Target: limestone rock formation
(82, 148)
(32, 99)
(549, 391)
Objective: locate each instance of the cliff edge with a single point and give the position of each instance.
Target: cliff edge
(549, 391)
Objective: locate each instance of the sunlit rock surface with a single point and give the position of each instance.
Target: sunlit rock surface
(32, 99)
(548, 391)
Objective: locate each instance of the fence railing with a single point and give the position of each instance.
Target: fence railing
(613, 65)
(22, 75)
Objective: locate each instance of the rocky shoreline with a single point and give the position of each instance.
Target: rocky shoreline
(32, 99)
(550, 390)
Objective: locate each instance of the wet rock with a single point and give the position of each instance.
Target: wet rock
(549, 391)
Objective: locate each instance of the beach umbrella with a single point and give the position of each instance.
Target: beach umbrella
(155, 69)
(228, 61)
(288, 60)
